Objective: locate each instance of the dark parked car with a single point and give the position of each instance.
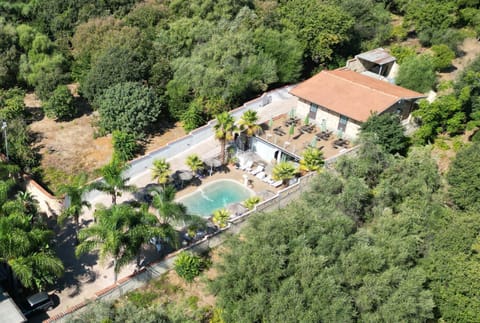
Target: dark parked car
(39, 302)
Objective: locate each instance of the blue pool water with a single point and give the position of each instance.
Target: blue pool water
(213, 196)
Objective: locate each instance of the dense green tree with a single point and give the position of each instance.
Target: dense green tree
(60, 104)
(9, 54)
(194, 116)
(417, 73)
(321, 28)
(20, 138)
(387, 131)
(118, 64)
(129, 107)
(464, 178)
(442, 115)
(442, 57)
(11, 104)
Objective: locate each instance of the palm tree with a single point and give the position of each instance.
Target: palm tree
(224, 129)
(113, 181)
(29, 204)
(283, 171)
(195, 163)
(220, 217)
(161, 171)
(312, 160)
(169, 211)
(74, 191)
(248, 123)
(119, 232)
(25, 254)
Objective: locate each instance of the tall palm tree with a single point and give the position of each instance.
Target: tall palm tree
(224, 129)
(119, 232)
(169, 211)
(25, 254)
(114, 183)
(161, 171)
(74, 191)
(283, 171)
(195, 163)
(312, 160)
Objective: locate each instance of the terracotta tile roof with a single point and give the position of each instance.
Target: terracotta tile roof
(351, 94)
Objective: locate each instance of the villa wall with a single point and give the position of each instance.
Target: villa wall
(331, 119)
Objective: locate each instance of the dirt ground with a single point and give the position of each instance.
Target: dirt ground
(70, 147)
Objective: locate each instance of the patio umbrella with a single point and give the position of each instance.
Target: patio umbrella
(307, 120)
(291, 114)
(270, 123)
(323, 125)
(340, 133)
(212, 162)
(185, 175)
(291, 130)
(313, 143)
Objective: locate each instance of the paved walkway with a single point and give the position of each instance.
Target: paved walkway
(86, 276)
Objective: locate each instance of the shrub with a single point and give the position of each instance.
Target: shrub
(251, 202)
(60, 104)
(220, 218)
(141, 298)
(402, 52)
(188, 266)
(125, 145)
(442, 57)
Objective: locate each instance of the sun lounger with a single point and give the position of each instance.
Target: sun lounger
(261, 175)
(268, 180)
(277, 183)
(247, 166)
(257, 170)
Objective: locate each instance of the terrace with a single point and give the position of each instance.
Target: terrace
(293, 136)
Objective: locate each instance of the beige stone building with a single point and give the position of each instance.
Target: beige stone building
(341, 100)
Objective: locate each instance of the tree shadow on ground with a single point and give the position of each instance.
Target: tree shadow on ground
(78, 271)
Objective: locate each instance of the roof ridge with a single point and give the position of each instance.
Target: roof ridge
(360, 84)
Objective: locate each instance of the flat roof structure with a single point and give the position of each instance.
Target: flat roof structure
(378, 56)
(9, 311)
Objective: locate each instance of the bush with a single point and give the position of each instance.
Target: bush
(402, 52)
(220, 218)
(125, 145)
(188, 266)
(251, 202)
(60, 104)
(442, 57)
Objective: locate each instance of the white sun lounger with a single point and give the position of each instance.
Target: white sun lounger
(261, 175)
(276, 184)
(257, 170)
(247, 166)
(268, 180)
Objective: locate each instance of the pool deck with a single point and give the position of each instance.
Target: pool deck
(232, 174)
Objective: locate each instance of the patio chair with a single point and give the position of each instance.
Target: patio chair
(257, 170)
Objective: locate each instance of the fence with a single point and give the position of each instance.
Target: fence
(156, 269)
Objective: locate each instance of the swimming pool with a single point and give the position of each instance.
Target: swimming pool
(215, 195)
